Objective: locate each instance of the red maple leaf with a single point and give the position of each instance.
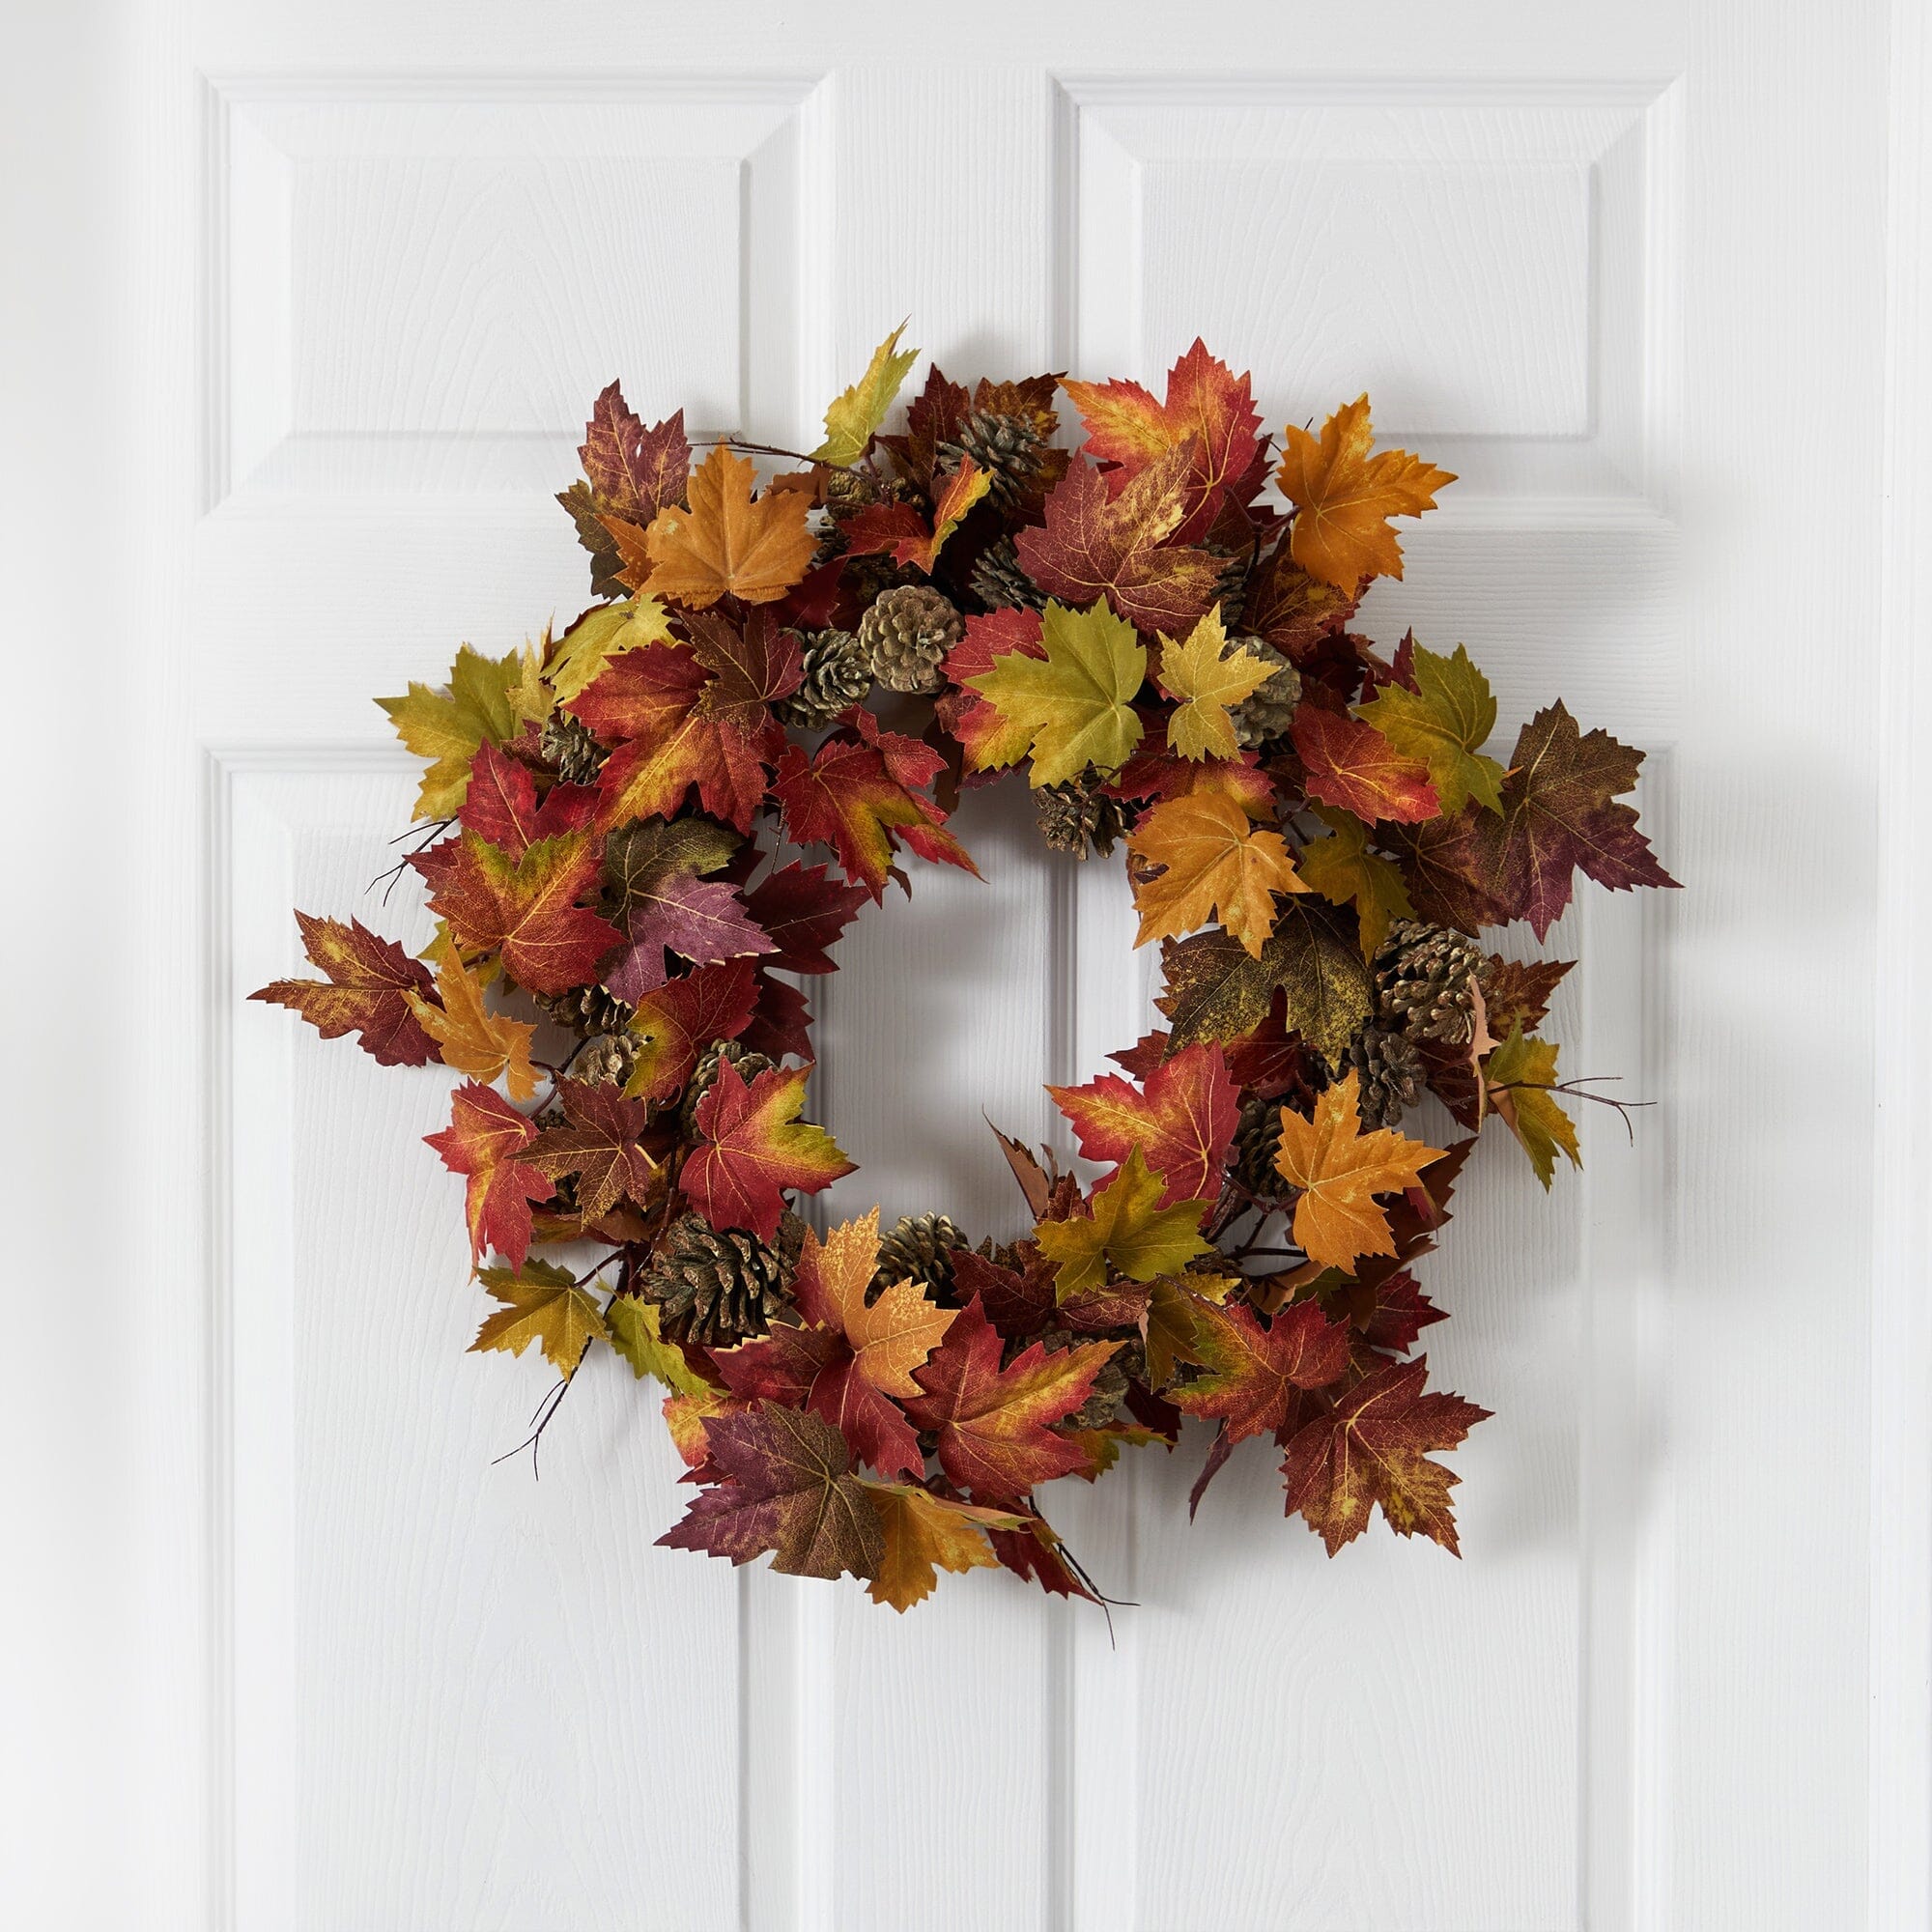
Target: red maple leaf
(1252, 1375)
(673, 1025)
(1397, 1313)
(1370, 1449)
(803, 913)
(1093, 544)
(861, 793)
(964, 713)
(636, 470)
(751, 666)
(1351, 765)
(1182, 1121)
(700, 920)
(648, 703)
(788, 1487)
(1017, 1301)
(600, 1146)
(781, 1023)
(755, 1148)
(526, 908)
(1208, 406)
(994, 1425)
(485, 1137)
(365, 993)
(500, 804)
(1559, 815)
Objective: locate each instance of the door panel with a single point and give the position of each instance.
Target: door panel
(1626, 276)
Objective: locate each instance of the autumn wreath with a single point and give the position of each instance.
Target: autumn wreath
(1312, 832)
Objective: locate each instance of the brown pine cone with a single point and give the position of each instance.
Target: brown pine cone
(907, 632)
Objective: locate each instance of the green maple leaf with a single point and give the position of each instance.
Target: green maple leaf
(543, 1304)
(1127, 1228)
(854, 418)
(1519, 1075)
(487, 697)
(1445, 722)
(635, 1334)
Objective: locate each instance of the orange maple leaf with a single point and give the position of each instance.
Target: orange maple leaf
(1338, 1171)
(1199, 857)
(484, 1141)
(1343, 498)
(727, 544)
(1183, 1119)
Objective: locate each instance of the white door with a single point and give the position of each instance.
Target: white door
(311, 302)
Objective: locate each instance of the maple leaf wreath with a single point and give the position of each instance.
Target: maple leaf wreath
(1312, 832)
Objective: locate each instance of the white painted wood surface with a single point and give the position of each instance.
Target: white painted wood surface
(286, 1651)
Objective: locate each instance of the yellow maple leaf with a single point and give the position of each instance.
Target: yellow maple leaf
(601, 634)
(729, 543)
(1445, 722)
(1169, 1327)
(1338, 1169)
(543, 1304)
(637, 1334)
(925, 1534)
(890, 1337)
(1343, 498)
(1207, 678)
(1519, 1075)
(1074, 707)
(1200, 857)
(487, 697)
(1346, 873)
(1124, 1229)
(854, 418)
(485, 1045)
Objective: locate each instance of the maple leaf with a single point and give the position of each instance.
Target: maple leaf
(610, 630)
(754, 1148)
(994, 1425)
(752, 666)
(485, 1141)
(651, 870)
(488, 699)
(1216, 990)
(633, 1325)
(856, 1356)
(854, 417)
(543, 1304)
(1094, 546)
(367, 991)
(1338, 1171)
(1444, 721)
(789, 1489)
(635, 471)
(1182, 1120)
(1018, 1301)
(1156, 773)
(649, 703)
(1123, 1227)
(925, 1534)
(857, 793)
(727, 543)
(1297, 613)
(1345, 871)
(502, 806)
(600, 1146)
(1519, 1076)
(1207, 678)
(1168, 1328)
(1074, 703)
(1371, 1448)
(989, 739)
(673, 1025)
(899, 527)
(526, 909)
(1397, 1312)
(1252, 1375)
(1343, 498)
(1353, 766)
(485, 1045)
(1516, 992)
(803, 913)
(1197, 857)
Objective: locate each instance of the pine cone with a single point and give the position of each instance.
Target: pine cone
(1009, 448)
(606, 1060)
(838, 673)
(705, 1075)
(907, 632)
(1110, 1386)
(914, 1248)
(585, 1009)
(1075, 817)
(717, 1289)
(1231, 587)
(1000, 583)
(564, 1200)
(572, 747)
(1390, 1073)
(1257, 1141)
(1424, 982)
(1265, 712)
